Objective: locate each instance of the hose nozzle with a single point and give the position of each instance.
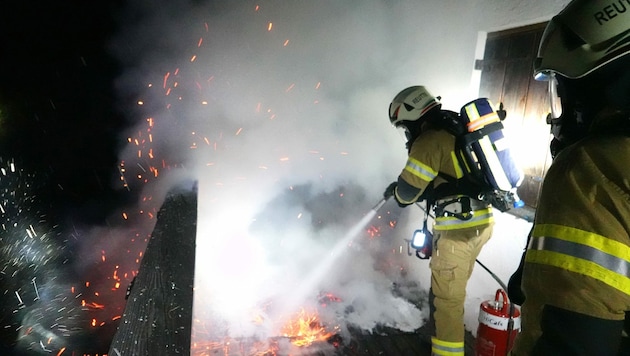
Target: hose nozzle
(380, 204)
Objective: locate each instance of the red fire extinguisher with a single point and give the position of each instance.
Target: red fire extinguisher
(499, 324)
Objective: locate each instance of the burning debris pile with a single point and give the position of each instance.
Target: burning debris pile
(330, 289)
(302, 334)
(305, 333)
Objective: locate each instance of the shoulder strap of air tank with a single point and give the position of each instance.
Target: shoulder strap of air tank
(454, 186)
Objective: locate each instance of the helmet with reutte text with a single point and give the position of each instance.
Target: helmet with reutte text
(584, 53)
(585, 36)
(411, 104)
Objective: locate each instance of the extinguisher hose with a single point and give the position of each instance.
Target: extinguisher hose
(496, 278)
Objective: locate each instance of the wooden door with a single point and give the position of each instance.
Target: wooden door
(507, 78)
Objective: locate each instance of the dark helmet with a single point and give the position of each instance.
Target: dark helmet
(585, 36)
(584, 54)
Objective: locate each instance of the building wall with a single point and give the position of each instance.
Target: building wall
(445, 59)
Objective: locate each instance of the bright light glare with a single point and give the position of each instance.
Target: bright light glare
(230, 264)
(418, 239)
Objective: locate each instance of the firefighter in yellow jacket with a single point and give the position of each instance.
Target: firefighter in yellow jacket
(576, 275)
(463, 224)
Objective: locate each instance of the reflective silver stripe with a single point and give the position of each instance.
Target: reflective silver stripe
(577, 250)
(453, 223)
(420, 170)
(445, 350)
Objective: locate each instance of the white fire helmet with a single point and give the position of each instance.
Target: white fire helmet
(584, 36)
(411, 104)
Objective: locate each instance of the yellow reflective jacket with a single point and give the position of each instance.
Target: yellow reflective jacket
(432, 153)
(582, 222)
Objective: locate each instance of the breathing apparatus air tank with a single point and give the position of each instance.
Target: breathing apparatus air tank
(487, 152)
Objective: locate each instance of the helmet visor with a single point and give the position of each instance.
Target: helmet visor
(554, 118)
(555, 103)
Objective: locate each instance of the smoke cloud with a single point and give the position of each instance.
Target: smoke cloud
(279, 110)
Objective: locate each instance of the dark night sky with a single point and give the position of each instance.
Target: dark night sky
(59, 115)
(59, 122)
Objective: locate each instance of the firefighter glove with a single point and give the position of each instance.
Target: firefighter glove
(390, 190)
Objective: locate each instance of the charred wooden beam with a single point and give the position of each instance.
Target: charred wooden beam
(158, 316)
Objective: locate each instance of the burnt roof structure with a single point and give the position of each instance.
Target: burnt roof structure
(158, 316)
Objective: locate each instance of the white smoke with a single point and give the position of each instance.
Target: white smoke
(279, 110)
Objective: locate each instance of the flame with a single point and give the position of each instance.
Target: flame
(305, 329)
(302, 330)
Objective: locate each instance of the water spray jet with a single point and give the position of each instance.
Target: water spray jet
(311, 280)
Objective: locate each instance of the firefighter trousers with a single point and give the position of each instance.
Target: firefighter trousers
(452, 262)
